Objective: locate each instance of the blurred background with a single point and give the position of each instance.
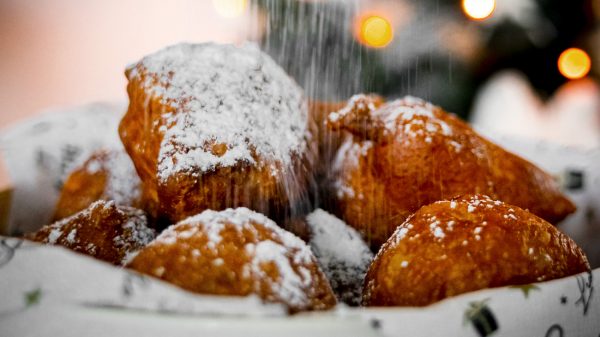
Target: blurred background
(524, 67)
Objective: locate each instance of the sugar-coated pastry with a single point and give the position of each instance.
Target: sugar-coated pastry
(104, 230)
(237, 252)
(465, 244)
(408, 153)
(106, 175)
(342, 254)
(328, 141)
(214, 126)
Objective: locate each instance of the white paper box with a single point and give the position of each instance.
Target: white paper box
(50, 291)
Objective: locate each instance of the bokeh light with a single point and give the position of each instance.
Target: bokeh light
(479, 9)
(230, 8)
(375, 31)
(574, 63)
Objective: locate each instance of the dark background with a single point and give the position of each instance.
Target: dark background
(314, 43)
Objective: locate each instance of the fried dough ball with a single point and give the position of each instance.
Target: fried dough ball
(106, 175)
(237, 252)
(409, 153)
(328, 141)
(342, 254)
(104, 230)
(466, 244)
(216, 126)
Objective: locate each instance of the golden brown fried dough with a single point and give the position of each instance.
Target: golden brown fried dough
(215, 126)
(106, 175)
(469, 243)
(103, 230)
(328, 141)
(409, 153)
(237, 252)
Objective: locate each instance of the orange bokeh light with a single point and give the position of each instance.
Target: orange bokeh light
(574, 63)
(478, 9)
(374, 31)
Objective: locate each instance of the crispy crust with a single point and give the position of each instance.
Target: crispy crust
(103, 230)
(328, 142)
(452, 247)
(392, 174)
(188, 193)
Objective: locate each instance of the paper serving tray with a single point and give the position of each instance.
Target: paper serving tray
(51, 291)
(69, 294)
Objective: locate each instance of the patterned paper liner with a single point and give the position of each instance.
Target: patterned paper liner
(41, 283)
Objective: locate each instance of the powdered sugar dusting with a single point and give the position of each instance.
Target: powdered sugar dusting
(135, 233)
(129, 236)
(56, 229)
(438, 233)
(355, 102)
(401, 232)
(408, 120)
(291, 284)
(471, 204)
(342, 254)
(348, 157)
(71, 237)
(223, 96)
(416, 116)
(435, 229)
(122, 182)
(287, 252)
(55, 233)
(483, 201)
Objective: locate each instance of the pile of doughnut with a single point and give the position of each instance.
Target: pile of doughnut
(230, 182)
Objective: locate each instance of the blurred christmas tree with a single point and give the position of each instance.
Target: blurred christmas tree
(311, 40)
(436, 52)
